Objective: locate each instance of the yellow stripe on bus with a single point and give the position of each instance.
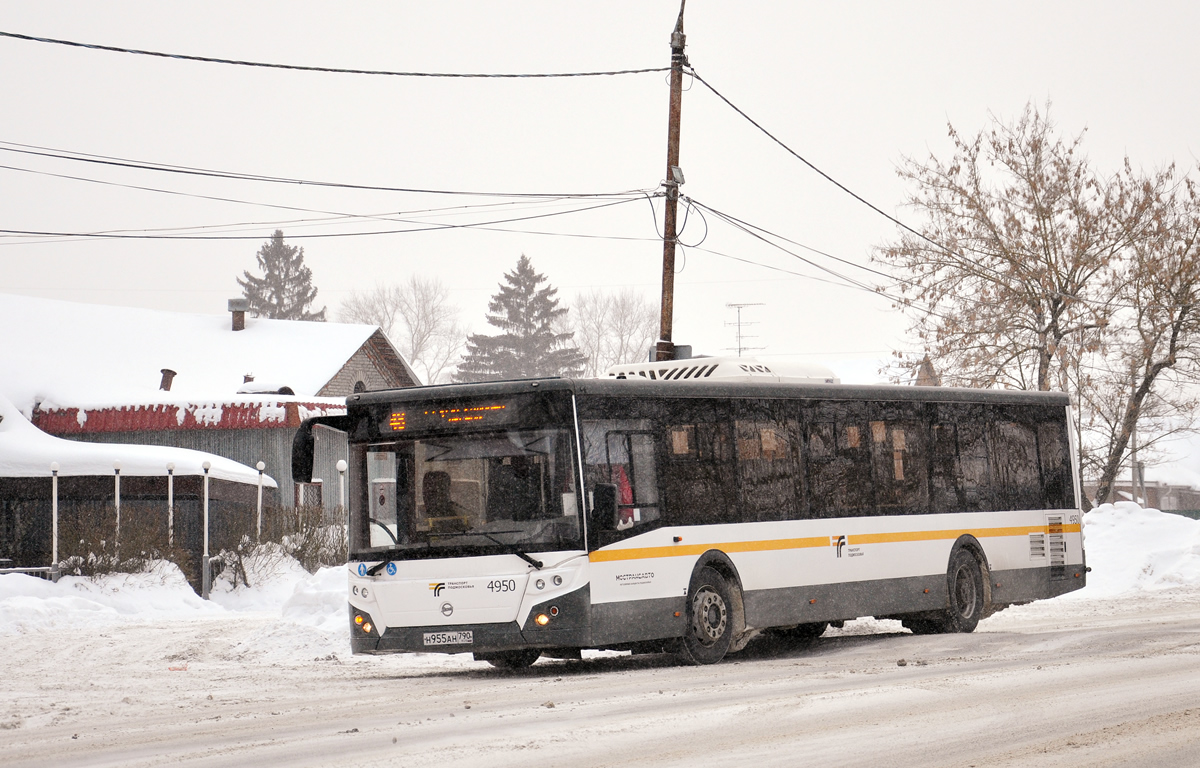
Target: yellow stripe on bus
(680, 550)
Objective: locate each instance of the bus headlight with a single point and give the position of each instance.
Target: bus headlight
(541, 620)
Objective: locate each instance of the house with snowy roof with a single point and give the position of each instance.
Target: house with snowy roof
(230, 385)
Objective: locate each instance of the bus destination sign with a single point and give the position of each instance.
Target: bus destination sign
(448, 417)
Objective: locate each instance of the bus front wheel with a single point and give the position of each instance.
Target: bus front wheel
(709, 628)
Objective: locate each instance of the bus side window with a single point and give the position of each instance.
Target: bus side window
(626, 459)
(839, 468)
(900, 466)
(767, 470)
(696, 478)
(1015, 466)
(946, 494)
(1057, 486)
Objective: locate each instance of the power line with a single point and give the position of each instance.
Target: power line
(330, 70)
(119, 162)
(840, 185)
(427, 228)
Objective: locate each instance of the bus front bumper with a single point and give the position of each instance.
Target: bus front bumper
(566, 625)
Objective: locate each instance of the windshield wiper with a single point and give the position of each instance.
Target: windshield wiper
(512, 549)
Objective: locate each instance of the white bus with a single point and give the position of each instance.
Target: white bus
(516, 519)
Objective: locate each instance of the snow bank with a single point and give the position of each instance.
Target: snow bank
(1130, 548)
(31, 605)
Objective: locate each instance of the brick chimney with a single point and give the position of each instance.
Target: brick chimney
(167, 377)
(239, 307)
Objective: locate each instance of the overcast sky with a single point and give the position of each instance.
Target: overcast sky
(853, 87)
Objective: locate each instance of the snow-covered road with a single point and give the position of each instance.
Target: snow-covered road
(1096, 680)
(1105, 685)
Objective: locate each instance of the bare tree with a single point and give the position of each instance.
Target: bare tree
(1153, 350)
(613, 328)
(418, 318)
(1034, 271)
(1007, 279)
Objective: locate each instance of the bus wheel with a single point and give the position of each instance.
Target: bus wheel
(513, 659)
(709, 623)
(966, 593)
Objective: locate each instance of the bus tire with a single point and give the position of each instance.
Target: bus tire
(965, 580)
(709, 629)
(521, 659)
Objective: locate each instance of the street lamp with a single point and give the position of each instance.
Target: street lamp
(260, 466)
(206, 575)
(341, 468)
(54, 526)
(117, 497)
(170, 504)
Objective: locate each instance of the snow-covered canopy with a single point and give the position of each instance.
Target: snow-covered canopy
(26, 451)
(64, 354)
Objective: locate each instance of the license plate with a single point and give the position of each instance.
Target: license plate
(462, 637)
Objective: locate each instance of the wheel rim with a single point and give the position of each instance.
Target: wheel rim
(709, 616)
(964, 592)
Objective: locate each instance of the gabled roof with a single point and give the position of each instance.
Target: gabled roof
(62, 354)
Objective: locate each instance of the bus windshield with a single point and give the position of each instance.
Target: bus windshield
(468, 494)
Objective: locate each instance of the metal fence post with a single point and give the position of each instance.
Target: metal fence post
(117, 498)
(341, 468)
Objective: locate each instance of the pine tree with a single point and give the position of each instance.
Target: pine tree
(528, 345)
(285, 291)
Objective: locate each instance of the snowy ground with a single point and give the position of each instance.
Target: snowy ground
(137, 671)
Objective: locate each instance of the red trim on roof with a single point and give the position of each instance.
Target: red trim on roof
(153, 418)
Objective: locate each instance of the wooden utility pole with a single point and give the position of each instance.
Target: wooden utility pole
(665, 348)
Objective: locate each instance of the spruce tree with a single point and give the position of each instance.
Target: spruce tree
(285, 291)
(528, 345)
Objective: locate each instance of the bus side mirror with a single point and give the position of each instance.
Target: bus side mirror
(304, 444)
(604, 507)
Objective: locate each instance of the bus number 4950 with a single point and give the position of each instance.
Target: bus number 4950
(502, 585)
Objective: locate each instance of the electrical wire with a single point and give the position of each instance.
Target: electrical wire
(59, 154)
(427, 228)
(805, 160)
(843, 187)
(328, 70)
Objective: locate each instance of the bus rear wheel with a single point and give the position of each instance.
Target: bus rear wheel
(512, 659)
(709, 630)
(965, 580)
